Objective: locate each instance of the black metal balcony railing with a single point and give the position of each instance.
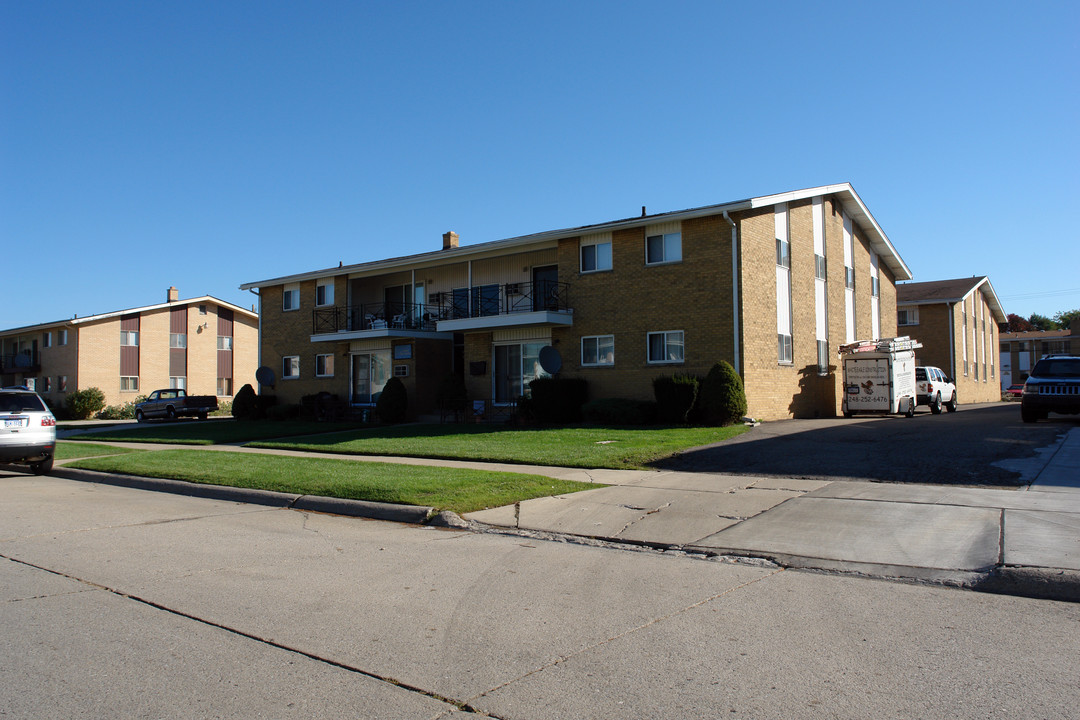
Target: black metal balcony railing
(25, 361)
(475, 302)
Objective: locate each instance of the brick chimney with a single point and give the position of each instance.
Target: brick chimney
(173, 295)
(449, 240)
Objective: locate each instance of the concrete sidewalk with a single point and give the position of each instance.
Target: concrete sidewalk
(1023, 542)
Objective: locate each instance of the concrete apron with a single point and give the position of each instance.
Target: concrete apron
(1025, 543)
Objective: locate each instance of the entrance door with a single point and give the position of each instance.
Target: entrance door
(546, 288)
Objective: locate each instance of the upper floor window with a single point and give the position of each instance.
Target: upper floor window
(177, 340)
(324, 293)
(63, 337)
(290, 298)
(666, 347)
(663, 248)
(849, 277)
(875, 287)
(783, 253)
(598, 350)
(595, 254)
(129, 338)
(224, 342)
(46, 339)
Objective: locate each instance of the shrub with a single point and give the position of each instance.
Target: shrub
(224, 407)
(723, 399)
(675, 396)
(289, 411)
(557, 400)
(393, 403)
(121, 412)
(82, 404)
(243, 404)
(452, 398)
(263, 403)
(619, 411)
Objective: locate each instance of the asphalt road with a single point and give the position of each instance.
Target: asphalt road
(117, 602)
(964, 447)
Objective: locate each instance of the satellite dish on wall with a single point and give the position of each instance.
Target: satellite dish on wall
(265, 376)
(550, 360)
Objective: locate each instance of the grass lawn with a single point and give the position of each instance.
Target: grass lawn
(66, 450)
(588, 447)
(443, 488)
(209, 432)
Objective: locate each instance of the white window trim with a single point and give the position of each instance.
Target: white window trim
(286, 359)
(329, 294)
(665, 334)
(135, 378)
(665, 236)
(594, 241)
(293, 291)
(324, 374)
(129, 338)
(597, 338)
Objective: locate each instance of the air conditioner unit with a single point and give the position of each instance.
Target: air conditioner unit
(513, 288)
(434, 298)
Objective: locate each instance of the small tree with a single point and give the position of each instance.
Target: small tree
(722, 399)
(393, 402)
(243, 405)
(82, 404)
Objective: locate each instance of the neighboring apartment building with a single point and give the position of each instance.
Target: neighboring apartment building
(204, 345)
(957, 322)
(1020, 351)
(773, 285)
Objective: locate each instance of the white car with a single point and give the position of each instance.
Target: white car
(27, 430)
(934, 388)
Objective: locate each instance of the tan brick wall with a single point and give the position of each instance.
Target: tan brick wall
(99, 360)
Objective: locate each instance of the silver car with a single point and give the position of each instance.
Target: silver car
(27, 430)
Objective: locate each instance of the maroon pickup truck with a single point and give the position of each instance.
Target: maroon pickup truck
(174, 403)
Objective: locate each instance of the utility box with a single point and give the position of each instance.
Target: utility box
(879, 376)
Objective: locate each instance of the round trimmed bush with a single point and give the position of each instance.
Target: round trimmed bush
(393, 403)
(722, 399)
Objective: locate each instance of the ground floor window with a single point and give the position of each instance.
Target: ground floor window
(598, 350)
(290, 367)
(324, 366)
(515, 366)
(129, 384)
(666, 347)
(370, 371)
(224, 387)
(61, 382)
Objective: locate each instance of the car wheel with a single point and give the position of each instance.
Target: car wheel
(42, 468)
(139, 417)
(951, 405)
(202, 416)
(1028, 415)
(935, 404)
(170, 414)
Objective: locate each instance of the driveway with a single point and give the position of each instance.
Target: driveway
(978, 445)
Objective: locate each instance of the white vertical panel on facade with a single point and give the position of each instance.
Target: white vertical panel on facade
(783, 300)
(780, 219)
(818, 209)
(849, 293)
(875, 300)
(821, 294)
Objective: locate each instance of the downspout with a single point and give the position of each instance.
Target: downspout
(952, 342)
(735, 309)
(259, 341)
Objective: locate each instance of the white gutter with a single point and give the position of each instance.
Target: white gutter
(735, 309)
(258, 342)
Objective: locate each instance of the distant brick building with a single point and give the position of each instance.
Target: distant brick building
(1021, 350)
(773, 285)
(958, 323)
(203, 345)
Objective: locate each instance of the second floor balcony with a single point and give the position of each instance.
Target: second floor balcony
(27, 361)
(460, 310)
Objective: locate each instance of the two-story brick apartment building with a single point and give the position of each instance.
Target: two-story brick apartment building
(957, 322)
(772, 285)
(203, 345)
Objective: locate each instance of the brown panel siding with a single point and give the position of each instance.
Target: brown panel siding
(225, 323)
(177, 362)
(129, 356)
(224, 364)
(178, 320)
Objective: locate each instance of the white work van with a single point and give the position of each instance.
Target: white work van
(879, 376)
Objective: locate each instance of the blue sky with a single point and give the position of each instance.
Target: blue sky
(204, 145)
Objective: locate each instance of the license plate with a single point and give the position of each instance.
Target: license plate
(17, 422)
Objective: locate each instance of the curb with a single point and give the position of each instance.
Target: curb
(314, 503)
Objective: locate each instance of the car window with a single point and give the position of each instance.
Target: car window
(1057, 367)
(20, 402)
(920, 374)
